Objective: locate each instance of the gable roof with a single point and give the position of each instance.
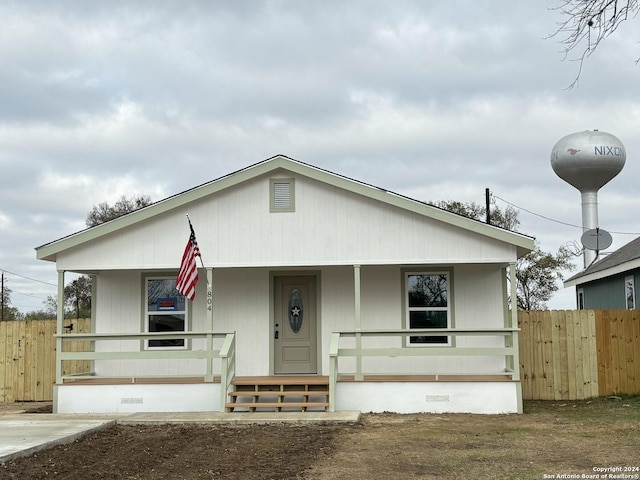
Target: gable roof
(622, 260)
(48, 251)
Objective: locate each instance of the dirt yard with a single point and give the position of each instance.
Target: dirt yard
(550, 440)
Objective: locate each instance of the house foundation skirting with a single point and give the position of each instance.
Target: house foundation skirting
(399, 394)
(136, 397)
(429, 397)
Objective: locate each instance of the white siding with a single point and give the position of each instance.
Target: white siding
(120, 309)
(330, 226)
(336, 308)
(477, 302)
(242, 304)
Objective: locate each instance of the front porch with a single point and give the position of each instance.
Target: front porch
(282, 394)
(212, 383)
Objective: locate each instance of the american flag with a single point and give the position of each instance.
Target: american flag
(188, 274)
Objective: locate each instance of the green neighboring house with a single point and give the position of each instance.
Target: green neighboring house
(611, 283)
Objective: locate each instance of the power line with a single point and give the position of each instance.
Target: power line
(23, 306)
(534, 213)
(28, 278)
(28, 295)
(552, 219)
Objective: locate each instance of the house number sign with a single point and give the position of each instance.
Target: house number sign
(296, 310)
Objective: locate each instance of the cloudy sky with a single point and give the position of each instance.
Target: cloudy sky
(435, 100)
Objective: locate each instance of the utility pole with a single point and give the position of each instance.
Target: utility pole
(487, 198)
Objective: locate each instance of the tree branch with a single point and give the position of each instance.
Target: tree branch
(588, 23)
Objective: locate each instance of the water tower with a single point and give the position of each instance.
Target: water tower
(588, 160)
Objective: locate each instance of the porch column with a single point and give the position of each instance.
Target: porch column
(94, 300)
(59, 325)
(514, 364)
(514, 295)
(209, 375)
(358, 322)
(210, 298)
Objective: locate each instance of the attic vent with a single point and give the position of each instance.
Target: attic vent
(282, 195)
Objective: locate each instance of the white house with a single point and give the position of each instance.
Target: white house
(316, 291)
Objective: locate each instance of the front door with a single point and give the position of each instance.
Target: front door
(294, 327)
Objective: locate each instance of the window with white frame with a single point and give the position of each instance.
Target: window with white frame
(165, 311)
(629, 292)
(428, 305)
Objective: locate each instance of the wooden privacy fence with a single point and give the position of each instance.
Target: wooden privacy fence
(578, 354)
(564, 355)
(27, 358)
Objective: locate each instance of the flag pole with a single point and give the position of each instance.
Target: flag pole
(191, 228)
(209, 313)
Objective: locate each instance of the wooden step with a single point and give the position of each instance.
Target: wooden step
(278, 406)
(282, 380)
(281, 392)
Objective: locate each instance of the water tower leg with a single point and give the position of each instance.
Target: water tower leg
(589, 221)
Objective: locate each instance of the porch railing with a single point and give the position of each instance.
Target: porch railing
(509, 351)
(226, 353)
(227, 368)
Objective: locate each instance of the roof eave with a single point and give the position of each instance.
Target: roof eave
(609, 272)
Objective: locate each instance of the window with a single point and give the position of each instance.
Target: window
(580, 299)
(166, 311)
(428, 305)
(629, 292)
(282, 195)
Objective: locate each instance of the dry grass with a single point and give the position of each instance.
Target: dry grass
(551, 438)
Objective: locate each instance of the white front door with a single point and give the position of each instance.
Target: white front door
(294, 327)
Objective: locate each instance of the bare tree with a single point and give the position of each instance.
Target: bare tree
(588, 22)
